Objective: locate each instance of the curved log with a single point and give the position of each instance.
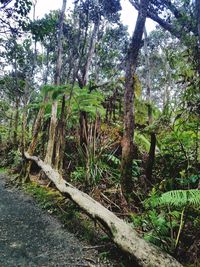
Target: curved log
(122, 234)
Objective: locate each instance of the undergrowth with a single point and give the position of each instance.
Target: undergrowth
(77, 222)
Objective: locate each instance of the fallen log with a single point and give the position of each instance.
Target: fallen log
(122, 234)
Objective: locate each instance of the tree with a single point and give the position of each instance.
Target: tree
(127, 142)
(177, 18)
(57, 81)
(151, 158)
(95, 12)
(13, 15)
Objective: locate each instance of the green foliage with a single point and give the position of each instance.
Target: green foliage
(173, 199)
(54, 90)
(157, 227)
(180, 198)
(77, 99)
(96, 166)
(97, 160)
(13, 159)
(45, 28)
(15, 14)
(136, 170)
(164, 215)
(90, 102)
(178, 147)
(141, 141)
(47, 198)
(188, 181)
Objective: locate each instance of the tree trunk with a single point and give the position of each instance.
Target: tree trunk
(122, 233)
(37, 127)
(53, 123)
(60, 145)
(127, 142)
(23, 136)
(15, 134)
(10, 129)
(90, 53)
(151, 157)
(25, 172)
(83, 82)
(83, 130)
(52, 131)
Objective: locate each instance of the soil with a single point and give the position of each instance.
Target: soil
(30, 237)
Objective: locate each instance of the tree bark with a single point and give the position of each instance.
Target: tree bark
(127, 142)
(123, 235)
(10, 129)
(90, 53)
(83, 82)
(151, 157)
(171, 27)
(25, 171)
(52, 131)
(23, 136)
(60, 144)
(83, 130)
(15, 134)
(37, 127)
(53, 123)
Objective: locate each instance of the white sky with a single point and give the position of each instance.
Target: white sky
(128, 13)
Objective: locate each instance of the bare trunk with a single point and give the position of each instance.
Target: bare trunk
(53, 123)
(37, 127)
(25, 172)
(15, 134)
(151, 157)
(127, 142)
(90, 53)
(47, 68)
(52, 131)
(85, 72)
(166, 97)
(10, 129)
(122, 233)
(60, 145)
(83, 130)
(23, 136)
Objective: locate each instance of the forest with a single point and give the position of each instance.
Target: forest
(110, 120)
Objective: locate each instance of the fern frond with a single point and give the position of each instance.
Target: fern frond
(180, 198)
(142, 141)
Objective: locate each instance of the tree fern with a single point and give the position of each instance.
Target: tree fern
(180, 198)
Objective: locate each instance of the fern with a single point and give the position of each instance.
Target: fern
(142, 141)
(180, 198)
(90, 102)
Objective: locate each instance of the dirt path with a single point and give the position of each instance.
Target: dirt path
(30, 237)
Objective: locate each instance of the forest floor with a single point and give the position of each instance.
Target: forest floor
(29, 236)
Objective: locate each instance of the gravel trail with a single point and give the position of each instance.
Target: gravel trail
(29, 237)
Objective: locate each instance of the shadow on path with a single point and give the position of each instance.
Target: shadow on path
(29, 237)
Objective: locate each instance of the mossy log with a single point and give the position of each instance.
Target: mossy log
(122, 233)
